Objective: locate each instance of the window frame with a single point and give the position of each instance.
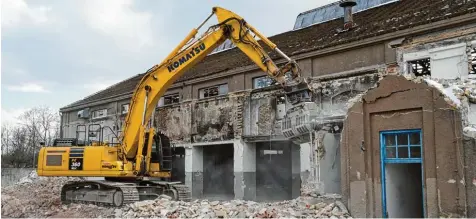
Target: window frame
(162, 103)
(408, 146)
(93, 114)
(200, 96)
(259, 77)
(410, 64)
(122, 110)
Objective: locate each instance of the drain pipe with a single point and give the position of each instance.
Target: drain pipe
(318, 160)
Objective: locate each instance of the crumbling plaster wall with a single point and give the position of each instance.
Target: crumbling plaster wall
(333, 95)
(398, 103)
(175, 121)
(431, 46)
(205, 120)
(453, 80)
(260, 115)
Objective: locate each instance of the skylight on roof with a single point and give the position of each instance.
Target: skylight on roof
(333, 11)
(224, 46)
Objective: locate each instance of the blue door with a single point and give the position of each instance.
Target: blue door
(401, 164)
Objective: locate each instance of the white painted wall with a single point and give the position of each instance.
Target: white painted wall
(449, 62)
(193, 159)
(330, 164)
(244, 156)
(305, 154)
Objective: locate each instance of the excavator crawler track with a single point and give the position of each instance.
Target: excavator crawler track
(184, 193)
(118, 193)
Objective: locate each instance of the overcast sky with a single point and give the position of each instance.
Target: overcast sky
(55, 52)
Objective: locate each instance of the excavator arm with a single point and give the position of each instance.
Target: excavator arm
(187, 54)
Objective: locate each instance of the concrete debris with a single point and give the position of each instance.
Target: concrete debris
(302, 207)
(470, 131)
(38, 197)
(28, 179)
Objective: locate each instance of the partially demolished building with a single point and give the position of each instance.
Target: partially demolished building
(392, 131)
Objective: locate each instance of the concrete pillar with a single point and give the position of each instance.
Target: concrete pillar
(305, 159)
(296, 170)
(330, 164)
(194, 170)
(244, 158)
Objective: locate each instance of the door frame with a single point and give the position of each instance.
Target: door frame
(384, 160)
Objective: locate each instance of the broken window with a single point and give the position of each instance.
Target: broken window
(124, 108)
(420, 67)
(169, 99)
(99, 113)
(263, 81)
(281, 99)
(473, 61)
(213, 91)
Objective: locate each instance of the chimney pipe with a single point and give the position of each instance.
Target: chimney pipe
(347, 5)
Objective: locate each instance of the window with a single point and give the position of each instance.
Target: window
(124, 108)
(100, 113)
(213, 91)
(405, 145)
(263, 81)
(169, 99)
(473, 60)
(420, 67)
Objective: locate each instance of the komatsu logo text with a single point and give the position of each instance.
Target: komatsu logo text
(186, 57)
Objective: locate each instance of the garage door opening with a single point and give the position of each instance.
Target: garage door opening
(401, 166)
(218, 175)
(178, 164)
(273, 171)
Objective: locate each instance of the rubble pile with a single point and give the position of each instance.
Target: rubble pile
(302, 207)
(39, 197)
(32, 196)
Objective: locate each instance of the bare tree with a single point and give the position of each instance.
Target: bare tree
(22, 142)
(5, 138)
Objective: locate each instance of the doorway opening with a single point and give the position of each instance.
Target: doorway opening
(402, 174)
(273, 171)
(218, 175)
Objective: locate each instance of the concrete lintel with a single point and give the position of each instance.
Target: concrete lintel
(189, 145)
(349, 73)
(266, 138)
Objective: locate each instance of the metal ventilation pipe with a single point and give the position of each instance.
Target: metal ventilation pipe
(347, 5)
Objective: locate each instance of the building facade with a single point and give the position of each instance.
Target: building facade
(234, 140)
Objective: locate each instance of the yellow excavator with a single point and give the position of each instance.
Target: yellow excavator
(134, 170)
